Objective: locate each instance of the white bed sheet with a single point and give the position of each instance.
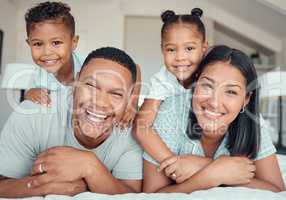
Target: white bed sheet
(237, 193)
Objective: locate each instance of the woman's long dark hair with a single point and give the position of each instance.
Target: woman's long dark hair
(244, 131)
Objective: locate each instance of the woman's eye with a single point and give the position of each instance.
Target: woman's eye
(231, 92)
(206, 85)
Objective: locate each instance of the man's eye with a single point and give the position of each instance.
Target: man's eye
(116, 94)
(90, 84)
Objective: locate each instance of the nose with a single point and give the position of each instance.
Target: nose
(47, 49)
(100, 99)
(180, 55)
(214, 99)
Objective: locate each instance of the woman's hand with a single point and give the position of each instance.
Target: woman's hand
(181, 168)
(227, 170)
(39, 96)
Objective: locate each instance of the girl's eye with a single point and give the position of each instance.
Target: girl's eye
(190, 48)
(170, 50)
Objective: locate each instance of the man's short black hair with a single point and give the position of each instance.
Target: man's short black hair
(115, 55)
(50, 11)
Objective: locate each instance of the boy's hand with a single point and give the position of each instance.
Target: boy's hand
(39, 96)
(128, 117)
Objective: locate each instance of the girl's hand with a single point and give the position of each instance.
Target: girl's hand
(181, 168)
(39, 96)
(231, 170)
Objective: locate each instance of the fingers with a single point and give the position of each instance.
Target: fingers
(40, 180)
(39, 96)
(127, 119)
(167, 162)
(39, 168)
(170, 171)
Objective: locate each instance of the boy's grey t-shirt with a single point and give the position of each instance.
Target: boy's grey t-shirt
(32, 128)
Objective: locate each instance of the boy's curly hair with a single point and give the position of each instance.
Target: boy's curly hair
(50, 11)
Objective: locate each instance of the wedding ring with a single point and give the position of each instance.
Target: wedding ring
(174, 176)
(41, 168)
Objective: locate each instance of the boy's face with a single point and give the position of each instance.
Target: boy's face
(51, 45)
(100, 99)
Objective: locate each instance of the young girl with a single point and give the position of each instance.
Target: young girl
(224, 144)
(51, 36)
(183, 44)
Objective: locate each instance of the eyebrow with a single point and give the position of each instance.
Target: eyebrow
(228, 85)
(184, 43)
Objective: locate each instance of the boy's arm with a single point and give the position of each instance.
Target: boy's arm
(132, 107)
(146, 135)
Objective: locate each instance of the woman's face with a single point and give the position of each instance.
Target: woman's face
(219, 96)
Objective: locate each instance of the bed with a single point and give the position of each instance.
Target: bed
(237, 193)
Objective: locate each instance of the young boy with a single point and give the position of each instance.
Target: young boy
(51, 36)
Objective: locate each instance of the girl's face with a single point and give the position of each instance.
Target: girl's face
(183, 48)
(219, 96)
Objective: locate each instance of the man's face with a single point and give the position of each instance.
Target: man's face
(100, 100)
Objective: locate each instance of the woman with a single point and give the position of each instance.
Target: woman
(224, 144)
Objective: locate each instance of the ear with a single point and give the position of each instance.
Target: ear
(28, 42)
(75, 42)
(247, 99)
(205, 47)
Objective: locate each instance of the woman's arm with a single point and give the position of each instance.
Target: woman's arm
(146, 135)
(268, 175)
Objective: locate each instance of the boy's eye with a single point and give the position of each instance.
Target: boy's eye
(37, 44)
(56, 43)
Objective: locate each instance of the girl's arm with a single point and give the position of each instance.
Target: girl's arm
(146, 135)
(267, 176)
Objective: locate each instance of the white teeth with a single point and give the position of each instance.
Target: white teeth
(213, 113)
(96, 115)
(50, 62)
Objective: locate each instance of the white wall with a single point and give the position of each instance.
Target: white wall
(7, 24)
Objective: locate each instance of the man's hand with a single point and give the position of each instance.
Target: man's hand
(61, 164)
(65, 188)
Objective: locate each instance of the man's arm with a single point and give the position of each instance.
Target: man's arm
(61, 164)
(18, 188)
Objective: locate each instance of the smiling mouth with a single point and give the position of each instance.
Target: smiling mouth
(96, 117)
(50, 62)
(212, 114)
(182, 68)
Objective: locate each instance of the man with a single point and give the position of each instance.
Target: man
(68, 151)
